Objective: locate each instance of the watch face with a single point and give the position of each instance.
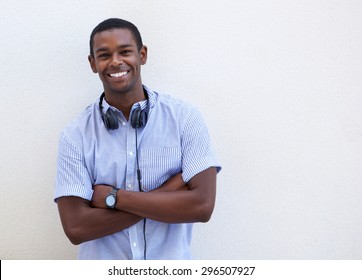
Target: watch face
(110, 200)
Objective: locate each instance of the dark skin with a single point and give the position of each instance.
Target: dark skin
(117, 60)
(115, 51)
(82, 222)
(193, 205)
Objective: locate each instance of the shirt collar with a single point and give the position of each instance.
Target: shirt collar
(152, 96)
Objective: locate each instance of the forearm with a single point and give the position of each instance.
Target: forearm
(173, 202)
(169, 207)
(195, 204)
(174, 185)
(82, 223)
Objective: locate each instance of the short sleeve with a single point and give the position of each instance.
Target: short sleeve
(72, 177)
(197, 150)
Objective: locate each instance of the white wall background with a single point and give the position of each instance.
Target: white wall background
(279, 83)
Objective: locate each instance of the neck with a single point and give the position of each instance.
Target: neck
(124, 101)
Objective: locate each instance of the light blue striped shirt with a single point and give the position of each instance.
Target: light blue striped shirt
(174, 139)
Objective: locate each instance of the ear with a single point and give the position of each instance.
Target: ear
(92, 64)
(143, 54)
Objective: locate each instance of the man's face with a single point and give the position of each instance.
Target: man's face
(117, 60)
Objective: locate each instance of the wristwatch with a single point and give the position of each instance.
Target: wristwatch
(111, 198)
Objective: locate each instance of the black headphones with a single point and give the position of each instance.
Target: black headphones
(138, 117)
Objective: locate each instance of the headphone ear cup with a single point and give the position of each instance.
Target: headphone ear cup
(142, 119)
(110, 120)
(135, 118)
(139, 118)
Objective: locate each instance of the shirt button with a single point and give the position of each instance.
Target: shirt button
(134, 244)
(129, 187)
(123, 123)
(131, 153)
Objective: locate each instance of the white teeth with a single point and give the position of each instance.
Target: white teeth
(117, 75)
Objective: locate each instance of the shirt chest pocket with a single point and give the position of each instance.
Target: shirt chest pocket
(159, 164)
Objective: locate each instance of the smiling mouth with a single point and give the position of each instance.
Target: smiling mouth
(119, 74)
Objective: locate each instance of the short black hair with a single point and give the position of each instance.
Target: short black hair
(114, 23)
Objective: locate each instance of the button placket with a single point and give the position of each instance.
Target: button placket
(129, 186)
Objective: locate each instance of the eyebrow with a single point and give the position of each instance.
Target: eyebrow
(119, 47)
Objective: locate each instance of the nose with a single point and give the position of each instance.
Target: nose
(116, 60)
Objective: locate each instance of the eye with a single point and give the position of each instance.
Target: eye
(125, 52)
(103, 55)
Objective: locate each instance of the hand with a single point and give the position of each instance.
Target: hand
(175, 183)
(99, 195)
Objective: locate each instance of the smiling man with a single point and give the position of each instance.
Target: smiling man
(135, 169)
